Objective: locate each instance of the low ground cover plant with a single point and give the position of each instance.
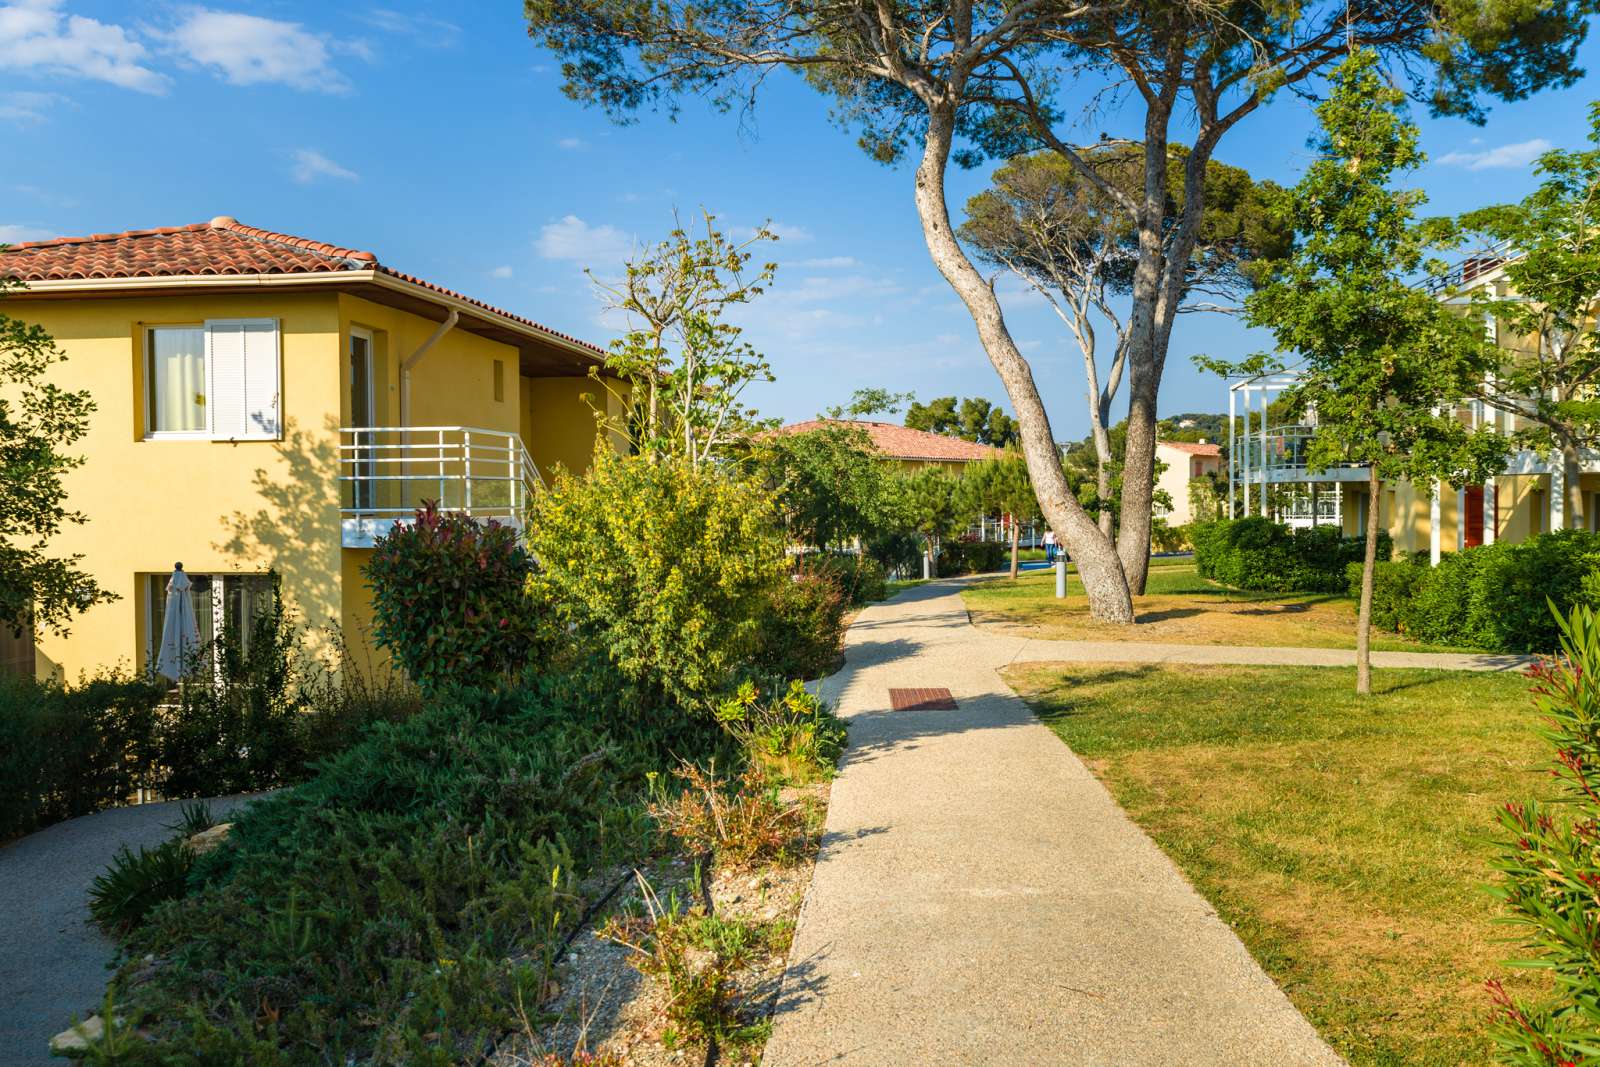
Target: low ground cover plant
(1262, 555)
(1494, 597)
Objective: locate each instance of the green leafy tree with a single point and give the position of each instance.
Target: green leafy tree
(39, 422)
(865, 403)
(1380, 356)
(683, 365)
(951, 80)
(829, 484)
(972, 419)
(928, 504)
(1068, 240)
(1548, 361)
(1001, 485)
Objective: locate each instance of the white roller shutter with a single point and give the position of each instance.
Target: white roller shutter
(242, 379)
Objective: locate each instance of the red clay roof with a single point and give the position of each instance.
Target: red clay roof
(902, 442)
(1194, 448)
(222, 246)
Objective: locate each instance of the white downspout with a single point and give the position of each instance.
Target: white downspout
(412, 360)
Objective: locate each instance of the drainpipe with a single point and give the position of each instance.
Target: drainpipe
(416, 357)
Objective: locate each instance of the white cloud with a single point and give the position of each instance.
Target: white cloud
(602, 247)
(28, 108)
(786, 232)
(251, 50)
(13, 233)
(500, 272)
(1507, 155)
(572, 144)
(39, 37)
(830, 263)
(309, 165)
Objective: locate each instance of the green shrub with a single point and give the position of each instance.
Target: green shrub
(1262, 555)
(449, 599)
(396, 907)
(861, 578)
(802, 630)
(1394, 585)
(67, 751)
(121, 897)
(794, 739)
(1493, 597)
(1550, 868)
(666, 570)
(972, 557)
(899, 552)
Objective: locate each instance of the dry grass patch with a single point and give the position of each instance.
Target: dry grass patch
(1347, 841)
(1178, 607)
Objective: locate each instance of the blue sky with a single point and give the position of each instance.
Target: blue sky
(436, 136)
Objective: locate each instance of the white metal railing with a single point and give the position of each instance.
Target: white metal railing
(387, 472)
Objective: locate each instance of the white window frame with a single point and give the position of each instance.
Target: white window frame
(155, 623)
(148, 341)
(210, 432)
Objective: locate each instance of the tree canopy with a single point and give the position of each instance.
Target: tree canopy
(971, 419)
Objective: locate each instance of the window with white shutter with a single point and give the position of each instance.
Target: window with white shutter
(242, 379)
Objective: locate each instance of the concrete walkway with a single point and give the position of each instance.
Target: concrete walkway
(980, 899)
(52, 961)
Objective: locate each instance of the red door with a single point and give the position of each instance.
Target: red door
(1474, 516)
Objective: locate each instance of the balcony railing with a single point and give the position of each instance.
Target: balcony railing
(387, 472)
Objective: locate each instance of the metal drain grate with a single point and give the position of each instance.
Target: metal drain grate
(922, 700)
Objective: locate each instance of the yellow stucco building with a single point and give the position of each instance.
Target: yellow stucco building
(269, 402)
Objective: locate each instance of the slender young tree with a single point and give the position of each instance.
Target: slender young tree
(1381, 358)
(38, 422)
(957, 80)
(683, 363)
(1548, 356)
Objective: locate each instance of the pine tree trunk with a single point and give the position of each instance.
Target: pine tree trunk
(1369, 565)
(1015, 536)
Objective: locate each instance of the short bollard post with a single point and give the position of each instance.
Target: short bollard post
(1061, 578)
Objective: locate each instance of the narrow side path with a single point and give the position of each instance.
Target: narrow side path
(52, 960)
(981, 899)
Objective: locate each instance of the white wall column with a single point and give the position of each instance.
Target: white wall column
(1433, 524)
(1233, 456)
(1490, 507)
(1461, 518)
(1264, 463)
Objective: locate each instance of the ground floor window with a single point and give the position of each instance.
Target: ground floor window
(224, 604)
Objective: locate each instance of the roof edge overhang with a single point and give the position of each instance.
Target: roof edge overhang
(363, 281)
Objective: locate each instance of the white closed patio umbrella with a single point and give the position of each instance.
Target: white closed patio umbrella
(180, 634)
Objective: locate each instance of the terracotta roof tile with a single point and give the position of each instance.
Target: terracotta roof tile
(1194, 448)
(223, 246)
(902, 442)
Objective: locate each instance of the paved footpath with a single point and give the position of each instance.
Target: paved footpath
(980, 899)
(52, 960)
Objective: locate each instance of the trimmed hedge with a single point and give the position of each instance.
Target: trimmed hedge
(972, 557)
(70, 751)
(1262, 555)
(1494, 597)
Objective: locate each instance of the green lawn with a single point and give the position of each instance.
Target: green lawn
(1346, 840)
(1179, 607)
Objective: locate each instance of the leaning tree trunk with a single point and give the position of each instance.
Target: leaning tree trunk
(1369, 565)
(1571, 472)
(1099, 567)
(1016, 534)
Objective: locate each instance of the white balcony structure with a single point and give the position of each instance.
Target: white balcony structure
(387, 472)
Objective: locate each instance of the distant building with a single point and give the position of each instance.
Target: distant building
(1186, 461)
(913, 449)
